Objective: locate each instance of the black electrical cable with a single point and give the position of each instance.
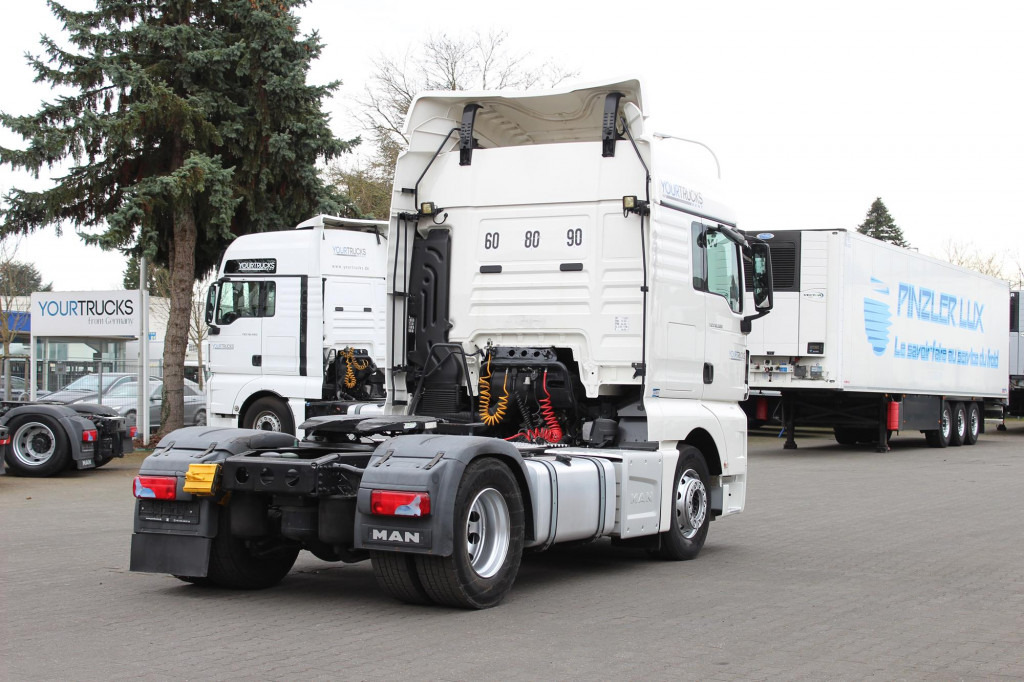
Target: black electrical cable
(643, 256)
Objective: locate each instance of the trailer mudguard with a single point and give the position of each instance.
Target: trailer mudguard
(433, 464)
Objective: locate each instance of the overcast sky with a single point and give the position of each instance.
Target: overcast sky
(813, 108)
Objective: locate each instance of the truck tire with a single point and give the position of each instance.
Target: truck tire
(39, 447)
(269, 414)
(396, 574)
(939, 438)
(691, 508)
(245, 564)
(973, 424)
(959, 424)
(490, 527)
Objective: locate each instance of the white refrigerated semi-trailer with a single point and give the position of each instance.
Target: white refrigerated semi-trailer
(869, 338)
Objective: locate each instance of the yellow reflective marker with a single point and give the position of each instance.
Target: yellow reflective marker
(200, 479)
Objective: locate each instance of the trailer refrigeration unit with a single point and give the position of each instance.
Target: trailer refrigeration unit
(565, 359)
(297, 324)
(868, 338)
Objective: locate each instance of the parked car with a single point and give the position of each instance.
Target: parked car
(19, 389)
(124, 399)
(85, 389)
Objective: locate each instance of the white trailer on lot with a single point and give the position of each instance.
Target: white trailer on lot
(869, 338)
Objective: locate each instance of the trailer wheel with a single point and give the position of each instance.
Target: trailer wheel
(39, 447)
(396, 574)
(489, 533)
(239, 564)
(939, 438)
(845, 435)
(973, 424)
(691, 508)
(959, 425)
(269, 414)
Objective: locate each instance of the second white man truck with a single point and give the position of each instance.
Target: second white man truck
(565, 359)
(868, 339)
(296, 322)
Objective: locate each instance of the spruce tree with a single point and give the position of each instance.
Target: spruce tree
(880, 225)
(185, 123)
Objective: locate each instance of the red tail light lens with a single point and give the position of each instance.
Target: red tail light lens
(5, 441)
(156, 487)
(90, 436)
(399, 503)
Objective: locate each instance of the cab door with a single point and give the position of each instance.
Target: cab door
(725, 359)
(236, 348)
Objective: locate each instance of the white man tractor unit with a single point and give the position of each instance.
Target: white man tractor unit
(565, 356)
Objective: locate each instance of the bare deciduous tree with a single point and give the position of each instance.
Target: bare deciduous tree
(967, 256)
(17, 282)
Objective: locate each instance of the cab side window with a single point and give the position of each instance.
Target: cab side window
(716, 265)
(245, 299)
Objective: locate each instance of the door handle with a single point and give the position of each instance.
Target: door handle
(257, 361)
(709, 372)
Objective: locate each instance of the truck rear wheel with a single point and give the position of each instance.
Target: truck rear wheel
(239, 564)
(691, 513)
(939, 438)
(490, 526)
(269, 414)
(39, 446)
(973, 424)
(959, 425)
(396, 574)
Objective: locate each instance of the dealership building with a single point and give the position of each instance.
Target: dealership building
(71, 333)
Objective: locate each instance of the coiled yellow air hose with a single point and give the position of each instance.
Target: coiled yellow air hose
(485, 398)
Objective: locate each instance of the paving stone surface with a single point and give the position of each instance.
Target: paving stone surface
(847, 564)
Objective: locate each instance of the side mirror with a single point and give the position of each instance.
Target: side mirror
(764, 294)
(211, 303)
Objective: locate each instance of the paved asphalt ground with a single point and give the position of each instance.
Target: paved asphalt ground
(848, 564)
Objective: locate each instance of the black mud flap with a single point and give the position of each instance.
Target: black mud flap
(172, 554)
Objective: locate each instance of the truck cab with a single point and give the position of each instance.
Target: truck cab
(294, 316)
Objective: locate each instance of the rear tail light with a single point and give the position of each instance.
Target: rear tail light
(133, 431)
(90, 436)
(399, 503)
(156, 487)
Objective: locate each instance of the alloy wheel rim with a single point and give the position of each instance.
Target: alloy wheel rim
(691, 503)
(34, 444)
(487, 533)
